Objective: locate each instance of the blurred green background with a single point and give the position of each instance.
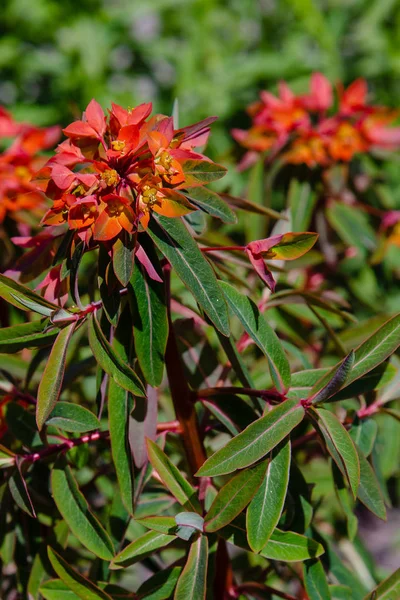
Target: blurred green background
(213, 55)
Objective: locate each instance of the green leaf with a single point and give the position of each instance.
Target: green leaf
(81, 586)
(210, 203)
(252, 207)
(371, 353)
(150, 323)
(315, 580)
(288, 546)
(53, 375)
(201, 171)
(292, 246)
(352, 225)
(192, 582)
(123, 252)
(120, 405)
(234, 497)
(339, 445)
(20, 493)
(56, 589)
(266, 507)
(369, 492)
(161, 524)
(263, 335)
(26, 335)
(110, 362)
(7, 458)
(73, 417)
(161, 585)
(172, 478)
(363, 433)
(346, 501)
(221, 417)
(23, 298)
(72, 505)
(340, 592)
(255, 441)
(187, 524)
(177, 245)
(137, 550)
(301, 200)
(336, 382)
(389, 589)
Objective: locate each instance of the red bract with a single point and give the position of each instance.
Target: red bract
(113, 172)
(301, 126)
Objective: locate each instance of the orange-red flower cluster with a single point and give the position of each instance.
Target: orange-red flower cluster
(303, 130)
(112, 173)
(18, 163)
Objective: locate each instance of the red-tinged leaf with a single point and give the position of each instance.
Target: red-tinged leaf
(261, 269)
(147, 264)
(62, 176)
(23, 298)
(339, 445)
(337, 381)
(82, 587)
(234, 497)
(53, 375)
(33, 334)
(286, 246)
(192, 583)
(174, 205)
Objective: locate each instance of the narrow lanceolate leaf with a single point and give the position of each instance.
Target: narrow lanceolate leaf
(377, 348)
(56, 589)
(26, 335)
(192, 584)
(75, 510)
(234, 497)
(255, 441)
(53, 375)
(336, 382)
(23, 298)
(160, 524)
(73, 417)
(150, 324)
(262, 334)
(266, 507)
(389, 589)
(78, 584)
(301, 201)
(120, 405)
(315, 580)
(201, 171)
(363, 433)
(161, 585)
(290, 547)
(210, 203)
(339, 445)
(174, 241)
(20, 493)
(123, 257)
(172, 478)
(110, 362)
(369, 492)
(140, 548)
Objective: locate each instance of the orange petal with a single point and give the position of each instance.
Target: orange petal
(106, 228)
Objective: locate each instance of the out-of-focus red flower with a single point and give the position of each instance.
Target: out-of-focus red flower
(54, 289)
(17, 165)
(300, 131)
(113, 172)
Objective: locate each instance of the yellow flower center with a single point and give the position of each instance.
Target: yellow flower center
(115, 208)
(110, 177)
(165, 160)
(22, 172)
(149, 195)
(118, 145)
(79, 191)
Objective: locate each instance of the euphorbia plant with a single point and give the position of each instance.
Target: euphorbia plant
(161, 421)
